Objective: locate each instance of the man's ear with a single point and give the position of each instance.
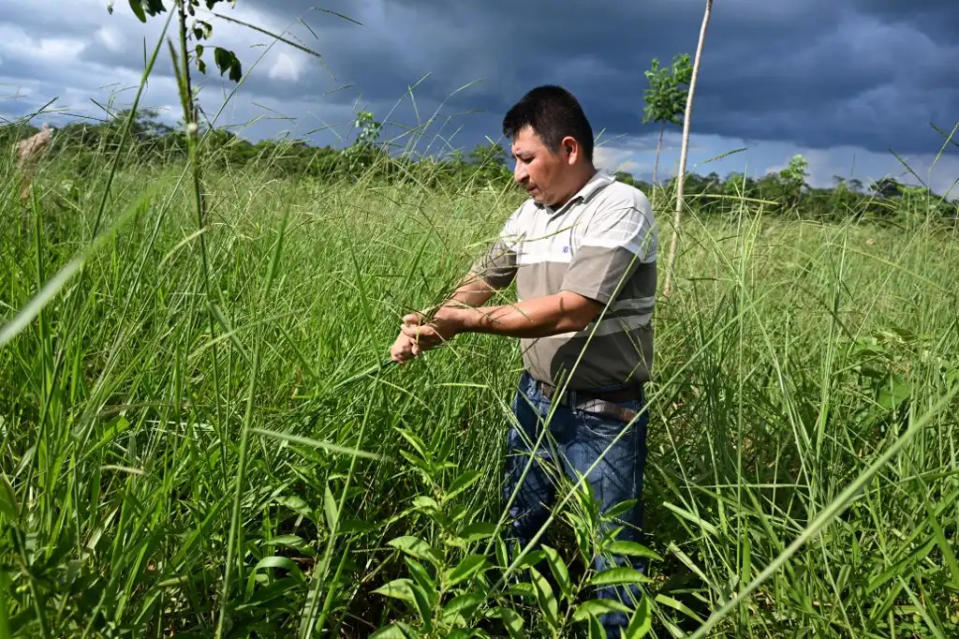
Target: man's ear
(571, 149)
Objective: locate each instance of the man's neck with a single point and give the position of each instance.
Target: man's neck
(582, 180)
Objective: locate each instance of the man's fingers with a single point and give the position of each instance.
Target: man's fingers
(415, 332)
(401, 351)
(423, 337)
(401, 356)
(412, 319)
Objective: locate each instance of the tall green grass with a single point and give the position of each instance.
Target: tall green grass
(792, 362)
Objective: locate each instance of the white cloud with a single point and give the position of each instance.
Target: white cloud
(59, 48)
(706, 153)
(17, 44)
(286, 67)
(111, 38)
(612, 159)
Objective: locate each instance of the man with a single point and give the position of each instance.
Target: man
(583, 252)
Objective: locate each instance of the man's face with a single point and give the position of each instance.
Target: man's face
(545, 175)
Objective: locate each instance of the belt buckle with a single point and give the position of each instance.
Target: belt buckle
(608, 409)
(549, 392)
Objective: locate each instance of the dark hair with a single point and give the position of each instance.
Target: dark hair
(553, 112)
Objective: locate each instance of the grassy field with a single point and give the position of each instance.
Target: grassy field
(186, 449)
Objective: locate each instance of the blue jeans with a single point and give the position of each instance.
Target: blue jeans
(576, 439)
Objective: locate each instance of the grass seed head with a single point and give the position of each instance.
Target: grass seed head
(28, 154)
(30, 149)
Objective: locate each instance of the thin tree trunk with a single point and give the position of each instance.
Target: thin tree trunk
(681, 177)
(659, 148)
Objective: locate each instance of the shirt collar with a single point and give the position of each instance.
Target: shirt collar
(595, 184)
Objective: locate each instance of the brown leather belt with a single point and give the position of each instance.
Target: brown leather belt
(600, 402)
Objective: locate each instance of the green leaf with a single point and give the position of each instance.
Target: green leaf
(422, 578)
(523, 589)
(511, 620)
(531, 558)
(621, 507)
(461, 483)
(227, 61)
(545, 598)
(292, 541)
(155, 6)
(417, 461)
(117, 426)
(422, 601)
(633, 549)
(461, 607)
(894, 391)
(280, 563)
(477, 530)
(202, 29)
(680, 606)
(8, 501)
(458, 512)
(223, 59)
(560, 573)
(685, 514)
(355, 526)
(395, 631)
(597, 607)
(4, 605)
(415, 547)
(297, 504)
(641, 622)
(619, 576)
(466, 569)
(236, 71)
(414, 441)
(284, 563)
(401, 589)
(596, 630)
(425, 503)
(138, 10)
(330, 508)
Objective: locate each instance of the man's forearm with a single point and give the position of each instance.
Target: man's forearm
(472, 291)
(538, 317)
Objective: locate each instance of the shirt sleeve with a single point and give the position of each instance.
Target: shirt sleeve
(498, 266)
(611, 246)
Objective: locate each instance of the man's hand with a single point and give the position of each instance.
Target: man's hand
(402, 349)
(562, 312)
(405, 348)
(472, 291)
(416, 337)
(444, 326)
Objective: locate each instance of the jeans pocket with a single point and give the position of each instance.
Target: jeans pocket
(599, 424)
(605, 424)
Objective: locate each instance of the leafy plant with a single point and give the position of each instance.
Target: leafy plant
(199, 30)
(447, 583)
(666, 96)
(794, 180)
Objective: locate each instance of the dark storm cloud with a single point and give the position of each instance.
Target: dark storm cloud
(820, 74)
(865, 73)
(935, 18)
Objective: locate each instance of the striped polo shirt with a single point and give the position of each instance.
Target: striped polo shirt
(602, 245)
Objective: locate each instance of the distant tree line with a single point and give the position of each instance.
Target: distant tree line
(84, 145)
